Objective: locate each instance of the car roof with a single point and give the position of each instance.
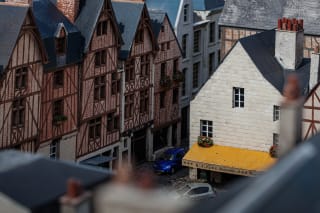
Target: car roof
(174, 150)
(195, 185)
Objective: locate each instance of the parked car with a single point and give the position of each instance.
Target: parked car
(196, 191)
(170, 161)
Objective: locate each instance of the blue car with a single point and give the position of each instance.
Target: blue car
(170, 161)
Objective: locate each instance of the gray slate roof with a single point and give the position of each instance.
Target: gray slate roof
(261, 49)
(48, 18)
(202, 5)
(127, 24)
(157, 18)
(35, 181)
(11, 21)
(171, 7)
(258, 14)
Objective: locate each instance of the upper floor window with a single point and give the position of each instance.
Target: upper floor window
(195, 80)
(184, 45)
(128, 110)
(112, 122)
(175, 95)
(212, 32)
(175, 65)
(276, 113)
(211, 62)
(100, 58)
(102, 28)
(196, 41)
(186, 13)
(163, 70)
(139, 36)
(238, 97)
(18, 112)
(57, 108)
(162, 99)
(144, 101)
(54, 149)
(58, 78)
(183, 86)
(206, 128)
(21, 78)
(99, 88)
(145, 65)
(94, 128)
(129, 73)
(115, 84)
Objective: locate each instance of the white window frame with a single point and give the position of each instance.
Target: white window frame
(186, 13)
(206, 128)
(276, 113)
(54, 149)
(275, 139)
(238, 92)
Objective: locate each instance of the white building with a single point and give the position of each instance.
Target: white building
(238, 107)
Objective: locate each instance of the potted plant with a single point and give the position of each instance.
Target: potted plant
(58, 119)
(205, 141)
(273, 151)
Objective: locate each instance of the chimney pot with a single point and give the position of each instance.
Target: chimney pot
(289, 25)
(74, 188)
(295, 27)
(279, 24)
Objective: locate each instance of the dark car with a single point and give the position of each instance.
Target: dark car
(170, 161)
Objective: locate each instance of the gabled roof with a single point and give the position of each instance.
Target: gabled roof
(11, 21)
(35, 181)
(202, 5)
(49, 20)
(127, 24)
(171, 7)
(88, 18)
(264, 14)
(261, 50)
(157, 19)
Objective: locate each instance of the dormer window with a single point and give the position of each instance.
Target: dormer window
(102, 28)
(61, 43)
(139, 36)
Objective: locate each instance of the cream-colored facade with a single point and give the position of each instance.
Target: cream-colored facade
(250, 127)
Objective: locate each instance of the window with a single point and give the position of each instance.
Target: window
(162, 99)
(99, 88)
(139, 36)
(100, 58)
(129, 100)
(144, 101)
(129, 74)
(185, 12)
(168, 45)
(145, 65)
(102, 28)
(163, 71)
(206, 128)
(112, 122)
(163, 48)
(21, 78)
(196, 41)
(58, 78)
(276, 113)
(238, 97)
(184, 45)
(115, 84)
(275, 139)
(61, 45)
(219, 57)
(54, 149)
(94, 128)
(175, 95)
(18, 111)
(162, 28)
(212, 32)
(183, 86)
(211, 62)
(175, 65)
(57, 108)
(199, 190)
(195, 79)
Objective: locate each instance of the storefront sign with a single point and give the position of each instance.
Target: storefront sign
(217, 168)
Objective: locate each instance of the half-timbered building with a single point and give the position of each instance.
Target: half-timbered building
(167, 79)
(137, 56)
(60, 90)
(21, 67)
(244, 18)
(99, 101)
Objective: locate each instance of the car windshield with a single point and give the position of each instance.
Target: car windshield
(167, 156)
(183, 189)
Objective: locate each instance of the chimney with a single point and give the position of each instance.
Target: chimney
(75, 200)
(314, 68)
(70, 8)
(27, 2)
(289, 43)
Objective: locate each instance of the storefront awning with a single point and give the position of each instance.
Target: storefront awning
(228, 160)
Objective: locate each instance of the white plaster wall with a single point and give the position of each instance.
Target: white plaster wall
(8, 205)
(251, 127)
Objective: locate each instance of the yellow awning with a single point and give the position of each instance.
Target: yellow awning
(228, 159)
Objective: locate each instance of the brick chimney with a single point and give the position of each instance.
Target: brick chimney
(289, 43)
(70, 8)
(75, 200)
(314, 68)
